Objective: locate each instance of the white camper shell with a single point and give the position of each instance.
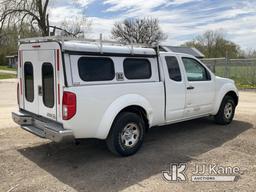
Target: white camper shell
(75, 89)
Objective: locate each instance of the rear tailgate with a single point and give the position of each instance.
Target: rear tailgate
(40, 74)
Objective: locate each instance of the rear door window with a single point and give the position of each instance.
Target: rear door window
(48, 84)
(29, 81)
(96, 69)
(137, 69)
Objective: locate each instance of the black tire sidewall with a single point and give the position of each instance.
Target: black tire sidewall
(221, 114)
(121, 121)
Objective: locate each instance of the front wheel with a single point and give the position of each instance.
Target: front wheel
(226, 112)
(126, 135)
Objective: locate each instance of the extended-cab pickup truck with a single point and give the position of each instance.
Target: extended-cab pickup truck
(72, 89)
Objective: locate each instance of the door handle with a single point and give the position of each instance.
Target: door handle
(40, 90)
(190, 88)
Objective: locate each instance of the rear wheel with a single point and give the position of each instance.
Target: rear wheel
(226, 112)
(126, 135)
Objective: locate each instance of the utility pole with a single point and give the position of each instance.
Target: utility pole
(226, 65)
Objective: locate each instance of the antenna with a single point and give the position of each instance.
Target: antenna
(62, 40)
(132, 48)
(101, 45)
(18, 40)
(157, 48)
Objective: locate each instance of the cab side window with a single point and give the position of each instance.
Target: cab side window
(173, 68)
(195, 71)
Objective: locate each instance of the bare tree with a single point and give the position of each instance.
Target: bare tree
(250, 53)
(142, 31)
(213, 44)
(35, 12)
(75, 27)
(28, 11)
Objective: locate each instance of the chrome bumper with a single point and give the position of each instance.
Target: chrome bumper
(42, 128)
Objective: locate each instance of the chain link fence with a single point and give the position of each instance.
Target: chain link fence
(243, 71)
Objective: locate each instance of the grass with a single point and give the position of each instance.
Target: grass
(244, 76)
(7, 76)
(4, 67)
(245, 86)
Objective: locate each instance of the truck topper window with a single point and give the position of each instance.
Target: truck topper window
(96, 69)
(29, 81)
(137, 68)
(48, 84)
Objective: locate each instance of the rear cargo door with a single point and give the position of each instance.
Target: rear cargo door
(40, 82)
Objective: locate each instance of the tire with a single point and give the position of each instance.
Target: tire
(126, 135)
(226, 111)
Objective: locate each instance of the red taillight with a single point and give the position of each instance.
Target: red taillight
(18, 93)
(68, 105)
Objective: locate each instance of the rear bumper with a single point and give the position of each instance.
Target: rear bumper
(42, 127)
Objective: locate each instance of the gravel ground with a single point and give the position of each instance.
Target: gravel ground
(28, 163)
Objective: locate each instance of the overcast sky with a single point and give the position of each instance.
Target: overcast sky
(182, 20)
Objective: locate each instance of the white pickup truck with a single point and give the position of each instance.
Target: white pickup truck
(71, 89)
